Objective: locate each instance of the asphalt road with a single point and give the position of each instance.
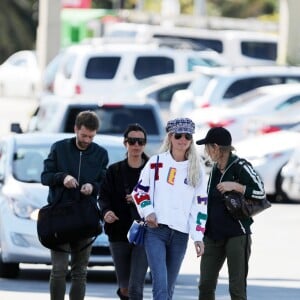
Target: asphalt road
(274, 272)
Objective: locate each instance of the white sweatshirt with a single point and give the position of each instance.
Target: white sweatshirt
(176, 204)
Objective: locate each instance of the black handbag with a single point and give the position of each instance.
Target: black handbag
(238, 206)
(241, 208)
(71, 217)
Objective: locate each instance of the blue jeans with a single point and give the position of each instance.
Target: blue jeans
(131, 267)
(60, 263)
(165, 250)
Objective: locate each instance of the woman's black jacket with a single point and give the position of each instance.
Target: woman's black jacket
(120, 180)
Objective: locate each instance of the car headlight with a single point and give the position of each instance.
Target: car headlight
(23, 209)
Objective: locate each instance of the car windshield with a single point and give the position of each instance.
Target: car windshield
(28, 162)
(115, 118)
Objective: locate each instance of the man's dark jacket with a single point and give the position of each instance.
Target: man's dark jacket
(65, 158)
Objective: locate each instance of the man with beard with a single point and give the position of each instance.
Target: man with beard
(74, 163)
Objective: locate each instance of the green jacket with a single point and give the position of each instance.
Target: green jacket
(220, 225)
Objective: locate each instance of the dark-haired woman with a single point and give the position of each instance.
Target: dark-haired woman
(119, 210)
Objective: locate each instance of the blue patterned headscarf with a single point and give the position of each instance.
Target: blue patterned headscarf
(181, 125)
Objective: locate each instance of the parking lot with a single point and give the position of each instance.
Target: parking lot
(274, 271)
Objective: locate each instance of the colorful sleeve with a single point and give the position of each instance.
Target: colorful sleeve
(142, 192)
(198, 215)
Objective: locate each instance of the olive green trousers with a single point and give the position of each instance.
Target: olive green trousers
(237, 252)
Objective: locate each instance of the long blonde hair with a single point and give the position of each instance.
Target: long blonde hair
(194, 165)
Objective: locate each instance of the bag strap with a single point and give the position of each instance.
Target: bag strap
(77, 251)
(238, 165)
(127, 188)
(155, 176)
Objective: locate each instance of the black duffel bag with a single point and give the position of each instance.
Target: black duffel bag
(71, 217)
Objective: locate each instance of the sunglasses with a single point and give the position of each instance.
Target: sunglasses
(187, 136)
(132, 140)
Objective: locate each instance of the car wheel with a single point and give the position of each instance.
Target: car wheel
(280, 196)
(9, 270)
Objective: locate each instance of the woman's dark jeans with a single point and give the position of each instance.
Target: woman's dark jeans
(131, 267)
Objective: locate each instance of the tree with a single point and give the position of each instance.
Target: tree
(18, 23)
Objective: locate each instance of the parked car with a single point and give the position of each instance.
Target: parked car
(48, 77)
(20, 75)
(22, 194)
(98, 68)
(238, 115)
(290, 175)
(281, 120)
(218, 86)
(268, 154)
(238, 47)
(159, 88)
(57, 114)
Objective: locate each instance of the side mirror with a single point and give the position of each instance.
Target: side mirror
(16, 127)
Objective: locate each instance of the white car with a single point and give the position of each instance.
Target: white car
(218, 86)
(22, 194)
(268, 155)
(238, 47)
(102, 68)
(282, 120)
(290, 174)
(238, 115)
(20, 75)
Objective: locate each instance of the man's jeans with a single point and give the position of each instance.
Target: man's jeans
(131, 267)
(165, 250)
(60, 262)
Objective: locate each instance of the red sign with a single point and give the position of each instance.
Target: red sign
(76, 3)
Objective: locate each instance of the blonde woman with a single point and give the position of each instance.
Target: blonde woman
(171, 197)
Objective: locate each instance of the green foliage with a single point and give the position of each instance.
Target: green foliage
(17, 26)
(242, 8)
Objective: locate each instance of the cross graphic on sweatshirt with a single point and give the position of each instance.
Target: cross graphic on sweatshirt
(156, 166)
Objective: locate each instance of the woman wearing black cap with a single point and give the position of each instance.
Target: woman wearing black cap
(119, 211)
(171, 196)
(226, 237)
